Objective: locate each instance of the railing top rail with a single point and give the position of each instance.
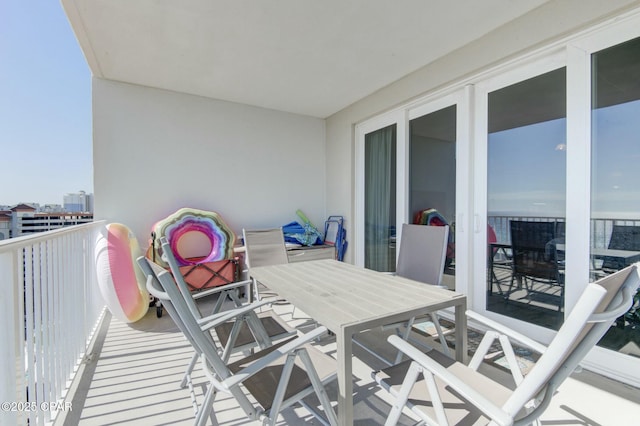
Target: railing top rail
(28, 240)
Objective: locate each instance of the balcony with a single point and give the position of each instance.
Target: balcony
(78, 365)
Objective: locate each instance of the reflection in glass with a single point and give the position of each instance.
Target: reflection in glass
(380, 199)
(526, 185)
(432, 171)
(615, 173)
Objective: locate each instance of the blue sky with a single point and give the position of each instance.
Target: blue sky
(45, 105)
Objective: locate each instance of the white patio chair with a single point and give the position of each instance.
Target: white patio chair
(422, 255)
(442, 392)
(276, 377)
(252, 331)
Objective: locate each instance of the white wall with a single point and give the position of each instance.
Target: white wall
(552, 21)
(157, 151)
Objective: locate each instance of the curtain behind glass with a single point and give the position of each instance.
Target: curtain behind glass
(380, 199)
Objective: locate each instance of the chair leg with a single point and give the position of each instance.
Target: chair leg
(321, 392)
(403, 395)
(207, 407)
(508, 294)
(438, 327)
(405, 337)
(190, 367)
(282, 386)
(443, 341)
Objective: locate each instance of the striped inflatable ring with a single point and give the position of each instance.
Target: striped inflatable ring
(121, 282)
(187, 221)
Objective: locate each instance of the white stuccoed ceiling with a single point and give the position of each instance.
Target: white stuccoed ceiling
(312, 57)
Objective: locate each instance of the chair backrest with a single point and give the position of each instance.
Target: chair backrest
(264, 247)
(625, 237)
(534, 249)
(169, 258)
(423, 250)
(600, 304)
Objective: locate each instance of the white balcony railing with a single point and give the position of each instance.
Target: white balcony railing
(50, 306)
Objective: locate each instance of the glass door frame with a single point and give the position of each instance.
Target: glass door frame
(397, 117)
(463, 225)
(401, 117)
(502, 78)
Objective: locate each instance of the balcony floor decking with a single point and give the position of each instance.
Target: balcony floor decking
(133, 371)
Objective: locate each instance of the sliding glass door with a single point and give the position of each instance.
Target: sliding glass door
(615, 173)
(409, 165)
(556, 171)
(535, 167)
(432, 175)
(526, 173)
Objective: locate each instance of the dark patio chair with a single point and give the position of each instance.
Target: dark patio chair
(623, 237)
(535, 256)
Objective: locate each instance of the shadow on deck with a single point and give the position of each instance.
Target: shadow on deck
(132, 374)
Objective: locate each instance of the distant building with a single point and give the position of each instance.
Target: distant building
(25, 220)
(51, 208)
(5, 224)
(78, 202)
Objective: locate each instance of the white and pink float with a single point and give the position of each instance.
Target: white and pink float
(121, 282)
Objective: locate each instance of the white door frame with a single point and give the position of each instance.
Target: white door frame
(401, 117)
(397, 117)
(502, 79)
(463, 229)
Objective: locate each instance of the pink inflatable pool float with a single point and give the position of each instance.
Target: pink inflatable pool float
(195, 236)
(121, 282)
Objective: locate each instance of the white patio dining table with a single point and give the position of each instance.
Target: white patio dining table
(348, 299)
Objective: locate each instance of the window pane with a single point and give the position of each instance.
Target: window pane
(615, 173)
(432, 172)
(380, 199)
(526, 199)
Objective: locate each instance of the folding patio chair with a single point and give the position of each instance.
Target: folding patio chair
(256, 330)
(623, 237)
(422, 255)
(264, 247)
(253, 330)
(276, 377)
(449, 392)
(535, 257)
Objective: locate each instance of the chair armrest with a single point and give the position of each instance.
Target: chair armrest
(477, 399)
(265, 361)
(514, 335)
(216, 319)
(216, 290)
